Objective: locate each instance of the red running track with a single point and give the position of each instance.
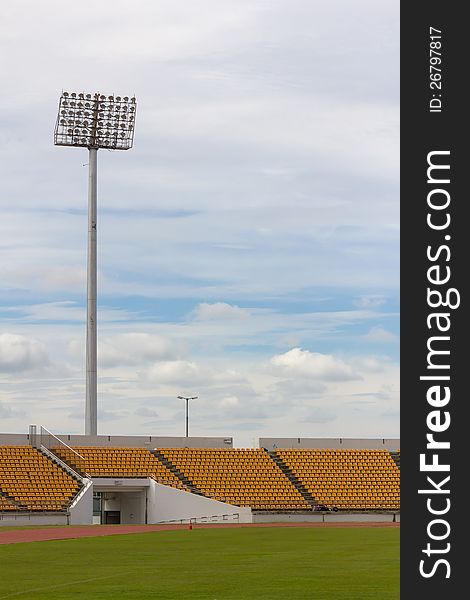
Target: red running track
(17, 536)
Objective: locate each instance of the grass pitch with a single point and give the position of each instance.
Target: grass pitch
(208, 564)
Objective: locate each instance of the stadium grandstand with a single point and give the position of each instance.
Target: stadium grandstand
(128, 479)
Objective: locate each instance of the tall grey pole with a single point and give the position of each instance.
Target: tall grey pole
(99, 122)
(187, 418)
(91, 331)
(187, 398)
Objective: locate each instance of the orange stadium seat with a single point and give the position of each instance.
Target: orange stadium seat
(347, 479)
(121, 462)
(243, 477)
(29, 480)
(338, 478)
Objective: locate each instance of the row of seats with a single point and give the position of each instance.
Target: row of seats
(347, 479)
(7, 504)
(121, 462)
(244, 477)
(34, 482)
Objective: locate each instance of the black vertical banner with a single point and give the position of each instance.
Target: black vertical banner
(434, 357)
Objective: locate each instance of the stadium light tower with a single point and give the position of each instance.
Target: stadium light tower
(187, 402)
(94, 121)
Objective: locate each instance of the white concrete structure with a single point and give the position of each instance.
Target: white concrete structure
(392, 444)
(124, 441)
(327, 517)
(123, 498)
(21, 519)
(135, 501)
(170, 504)
(146, 501)
(81, 509)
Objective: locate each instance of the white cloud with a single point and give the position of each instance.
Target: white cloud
(370, 301)
(320, 415)
(10, 412)
(20, 353)
(372, 364)
(298, 390)
(219, 311)
(60, 278)
(111, 415)
(136, 349)
(304, 363)
(379, 334)
(144, 411)
(229, 402)
(178, 372)
(246, 404)
(65, 310)
(51, 279)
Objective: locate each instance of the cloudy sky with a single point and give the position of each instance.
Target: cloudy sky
(248, 243)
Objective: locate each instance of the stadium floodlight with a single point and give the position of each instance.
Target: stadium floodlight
(187, 398)
(94, 121)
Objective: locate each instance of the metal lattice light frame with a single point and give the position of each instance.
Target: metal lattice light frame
(95, 121)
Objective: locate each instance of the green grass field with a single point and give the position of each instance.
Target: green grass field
(208, 564)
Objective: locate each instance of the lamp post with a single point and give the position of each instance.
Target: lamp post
(94, 121)
(187, 398)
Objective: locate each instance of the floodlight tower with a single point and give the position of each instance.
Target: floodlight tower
(94, 121)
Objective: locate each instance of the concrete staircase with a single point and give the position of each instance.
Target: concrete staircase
(71, 470)
(293, 479)
(396, 458)
(181, 476)
(12, 500)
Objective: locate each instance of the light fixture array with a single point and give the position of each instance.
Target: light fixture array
(95, 121)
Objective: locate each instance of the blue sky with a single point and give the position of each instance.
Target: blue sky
(248, 243)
